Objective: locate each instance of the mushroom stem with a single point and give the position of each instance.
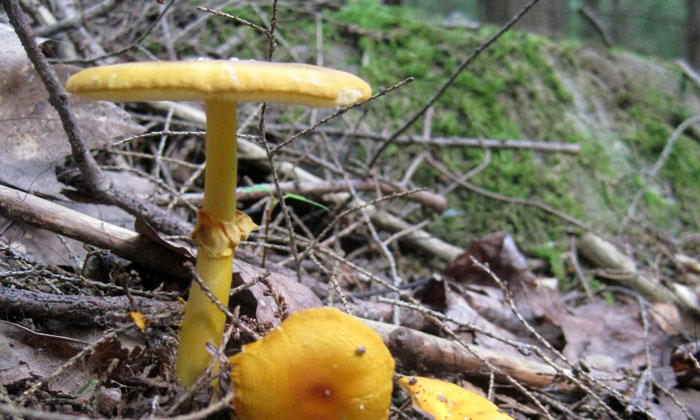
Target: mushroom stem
(216, 237)
(222, 164)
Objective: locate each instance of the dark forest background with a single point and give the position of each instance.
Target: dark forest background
(668, 28)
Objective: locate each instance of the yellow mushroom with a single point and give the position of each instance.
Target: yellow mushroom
(319, 364)
(444, 400)
(221, 84)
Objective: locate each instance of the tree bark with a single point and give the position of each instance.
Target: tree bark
(496, 12)
(548, 17)
(692, 32)
(588, 31)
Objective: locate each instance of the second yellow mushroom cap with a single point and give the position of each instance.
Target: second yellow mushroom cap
(319, 364)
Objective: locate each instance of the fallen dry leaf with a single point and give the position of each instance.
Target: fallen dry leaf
(33, 140)
(28, 355)
(605, 337)
(684, 363)
(295, 296)
(25, 354)
(502, 255)
(541, 306)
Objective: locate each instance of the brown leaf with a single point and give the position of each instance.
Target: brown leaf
(25, 354)
(500, 252)
(295, 295)
(539, 305)
(612, 337)
(684, 366)
(33, 141)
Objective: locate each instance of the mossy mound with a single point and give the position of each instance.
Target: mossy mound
(619, 107)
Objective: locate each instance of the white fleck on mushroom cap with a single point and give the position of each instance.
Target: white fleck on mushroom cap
(233, 80)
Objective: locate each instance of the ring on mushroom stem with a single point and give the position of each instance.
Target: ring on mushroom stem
(221, 84)
(309, 369)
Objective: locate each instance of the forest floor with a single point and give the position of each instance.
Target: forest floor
(528, 229)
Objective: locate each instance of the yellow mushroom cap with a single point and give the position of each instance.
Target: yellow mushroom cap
(445, 400)
(233, 80)
(319, 364)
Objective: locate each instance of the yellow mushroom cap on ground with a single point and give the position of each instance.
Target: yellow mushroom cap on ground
(445, 400)
(319, 364)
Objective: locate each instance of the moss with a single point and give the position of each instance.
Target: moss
(481, 103)
(523, 87)
(553, 253)
(652, 121)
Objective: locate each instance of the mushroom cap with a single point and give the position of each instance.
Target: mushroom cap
(445, 400)
(233, 80)
(319, 364)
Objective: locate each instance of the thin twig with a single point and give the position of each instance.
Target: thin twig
(236, 19)
(333, 279)
(473, 172)
(437, 141)
(270, 155)
(134, 45)
(591, 17)
(496, 196)
(340, 111)
(579, 271)
(663, 157)
(58, 98)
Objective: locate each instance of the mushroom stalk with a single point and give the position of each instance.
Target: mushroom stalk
(203, 321)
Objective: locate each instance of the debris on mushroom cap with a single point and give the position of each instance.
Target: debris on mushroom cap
(444, 400)
(233, 80)
(309, 368)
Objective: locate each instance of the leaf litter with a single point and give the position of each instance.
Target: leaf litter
(624, 348)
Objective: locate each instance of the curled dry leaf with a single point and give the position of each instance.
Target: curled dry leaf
(540, 306)
(502, 255)
(684, 361)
